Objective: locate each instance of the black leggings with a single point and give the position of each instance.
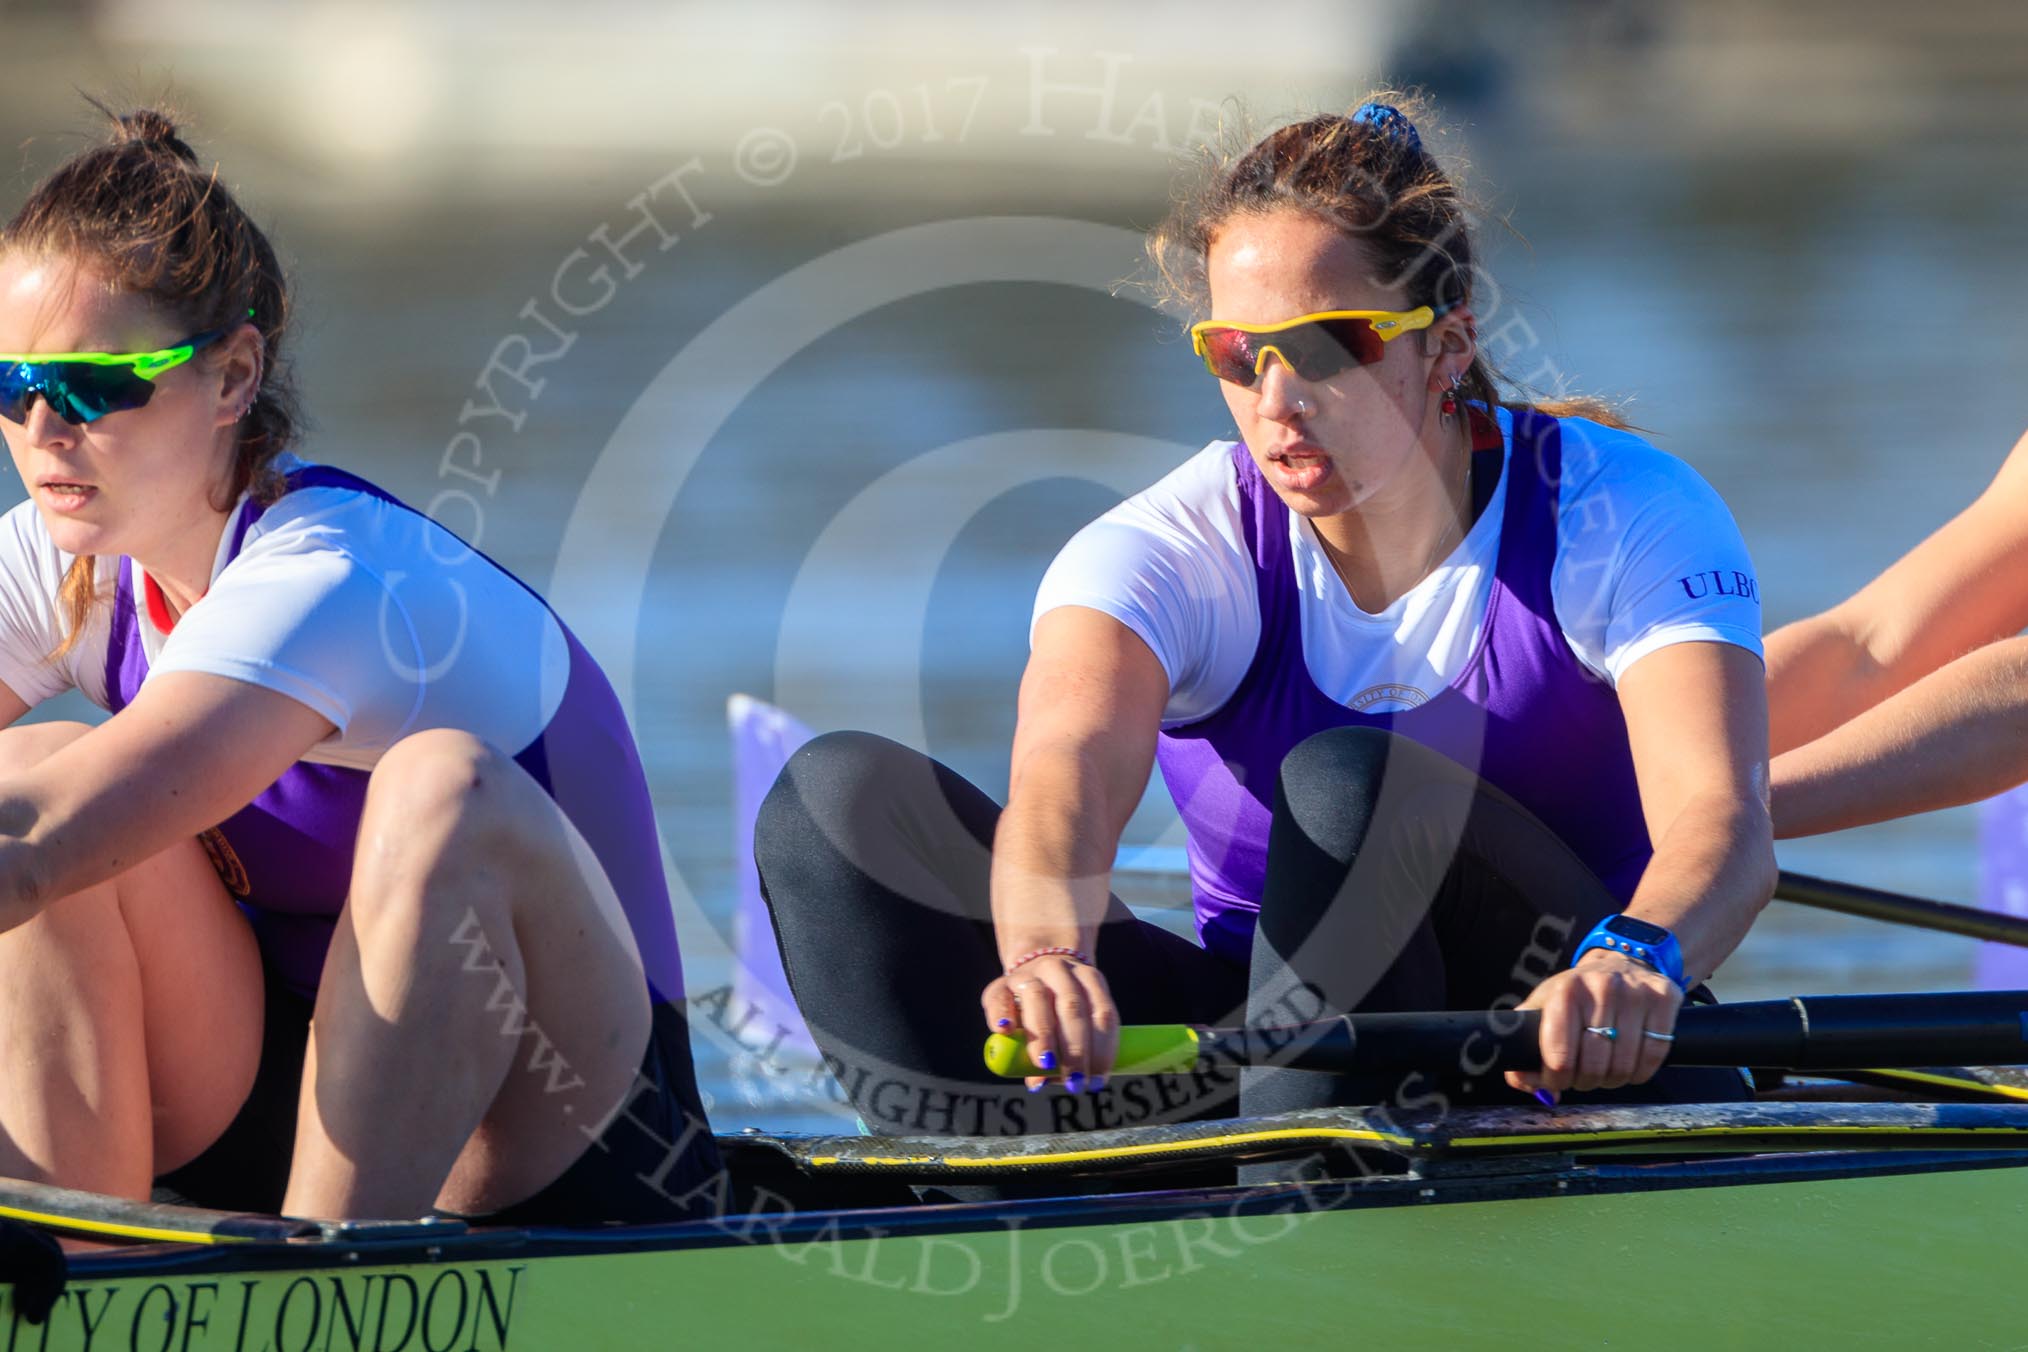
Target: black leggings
(1397, 879)
(875, 862)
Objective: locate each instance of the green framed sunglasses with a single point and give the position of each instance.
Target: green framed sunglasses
(82, 387)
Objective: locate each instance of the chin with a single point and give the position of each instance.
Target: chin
(73, 536)
(1318, 506)
(1334, 497)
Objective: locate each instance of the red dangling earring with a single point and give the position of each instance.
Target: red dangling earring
(1447, 407)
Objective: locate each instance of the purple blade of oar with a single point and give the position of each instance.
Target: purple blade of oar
(763, 739)
(2003, 884)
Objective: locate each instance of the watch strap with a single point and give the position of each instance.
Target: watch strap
(1665, 957)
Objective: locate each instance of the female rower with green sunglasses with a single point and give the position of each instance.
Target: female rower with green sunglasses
(1451, 693)
(353, 772)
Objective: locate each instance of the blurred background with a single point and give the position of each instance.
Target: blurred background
(688, 314)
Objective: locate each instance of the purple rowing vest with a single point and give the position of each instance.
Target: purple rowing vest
(287, 856)
(1523, 712)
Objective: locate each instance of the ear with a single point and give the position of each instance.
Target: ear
(1453, 345)
(242, 359)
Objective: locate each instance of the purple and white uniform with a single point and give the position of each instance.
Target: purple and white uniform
(365, 610)
(1594, 550)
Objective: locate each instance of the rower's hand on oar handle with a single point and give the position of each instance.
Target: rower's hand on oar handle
(1604, 1024)
(1065, 1011)
(1145, 1049)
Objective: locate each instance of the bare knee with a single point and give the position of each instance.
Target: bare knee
(444, 802)
(27, 744)
(442, 775)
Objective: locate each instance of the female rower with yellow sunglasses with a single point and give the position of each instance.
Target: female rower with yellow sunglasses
(352, 770)
(1460, 701)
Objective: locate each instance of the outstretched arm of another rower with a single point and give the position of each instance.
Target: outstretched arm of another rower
(1958, 590)
(1957, 735)
(1084, 743)
(189, 751)
(1696, 717)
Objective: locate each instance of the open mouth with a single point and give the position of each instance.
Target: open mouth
(1300, 467)
(65, 493)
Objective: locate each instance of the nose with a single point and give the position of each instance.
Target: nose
(1283, 393)
(41, 426)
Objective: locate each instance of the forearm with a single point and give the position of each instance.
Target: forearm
(1818, 676)
(58, 838)
(1712, 872)
(49, 849)
(1053, 853)
(185, 755)
(23, 890)
(1958, 735)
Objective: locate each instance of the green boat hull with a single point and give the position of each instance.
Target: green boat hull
(1867, 1249)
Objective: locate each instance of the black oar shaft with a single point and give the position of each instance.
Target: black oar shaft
(1834, 1032)
(1899, 909)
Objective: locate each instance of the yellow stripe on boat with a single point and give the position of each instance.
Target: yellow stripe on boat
(1123, 1152)
(2012, 1093)
(57, 1220)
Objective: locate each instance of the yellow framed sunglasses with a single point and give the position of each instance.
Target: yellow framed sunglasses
(1314, 346)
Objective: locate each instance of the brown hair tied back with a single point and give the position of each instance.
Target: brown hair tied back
(142, 212)
(1369, 175)
(150, 127)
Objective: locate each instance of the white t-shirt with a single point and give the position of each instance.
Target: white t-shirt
(1647, 555)
(364, 610)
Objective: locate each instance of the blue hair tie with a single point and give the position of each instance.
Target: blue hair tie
(1388, 121)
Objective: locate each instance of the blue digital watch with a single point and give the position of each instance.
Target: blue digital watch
(1640, 941)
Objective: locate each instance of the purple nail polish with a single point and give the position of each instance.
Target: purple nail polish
(1098, 1082)
(1074, 1082)
(1046, 1060)
(1034, 1088)
(1545, 1098)
(1003, 1023)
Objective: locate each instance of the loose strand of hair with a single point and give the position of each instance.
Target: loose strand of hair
(75, 598)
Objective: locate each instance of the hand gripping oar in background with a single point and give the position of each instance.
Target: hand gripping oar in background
(1820, 1032)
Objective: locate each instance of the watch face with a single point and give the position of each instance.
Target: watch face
(1640, 931)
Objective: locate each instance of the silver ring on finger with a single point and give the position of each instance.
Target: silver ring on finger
(1659, 1037)
(1606, 1031)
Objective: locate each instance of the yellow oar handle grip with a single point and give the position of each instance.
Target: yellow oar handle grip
(1145, 1049)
